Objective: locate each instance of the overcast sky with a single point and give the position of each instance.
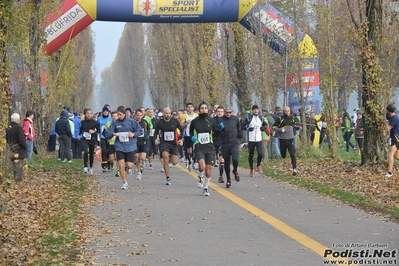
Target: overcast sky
(107, 35)
(106, 40)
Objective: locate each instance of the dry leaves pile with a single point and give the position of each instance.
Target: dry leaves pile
(368, 181)
(39, 207)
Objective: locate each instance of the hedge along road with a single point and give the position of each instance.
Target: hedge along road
(257, 221)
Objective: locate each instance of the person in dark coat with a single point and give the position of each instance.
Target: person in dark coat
(17, 144)
(63, 130)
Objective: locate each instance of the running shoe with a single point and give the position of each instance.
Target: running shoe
(220, 179)
(168, 182)
(205, 192)
(162, 170)
(138, 177)
(199, 182)
(112, 166)
(141, 169)
(228, 183)
(236, 176)
(125, 186)
(85, 170)
(195, 166)
(190, 167)
(251, 173)
(388, 174)
(117, 173)
(259, 168)
(90, 171)
(294, 172)
(151, 167)
(170, 165)
(129, 171)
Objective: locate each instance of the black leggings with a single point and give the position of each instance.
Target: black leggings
(104, 152)
(321, 138)
(251, 151)
(227, 153)
(88, 152)
(153, 148)
(288, 144)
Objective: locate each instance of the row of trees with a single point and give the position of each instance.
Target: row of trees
(221, 62)
(32, 80)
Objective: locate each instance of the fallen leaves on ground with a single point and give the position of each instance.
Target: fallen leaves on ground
(367, 181)
(39, 207)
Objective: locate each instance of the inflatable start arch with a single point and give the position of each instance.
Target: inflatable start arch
(278, 32)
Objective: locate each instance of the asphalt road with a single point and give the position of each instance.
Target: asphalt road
(257, 221)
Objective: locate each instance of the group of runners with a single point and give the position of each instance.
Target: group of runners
(207, 138)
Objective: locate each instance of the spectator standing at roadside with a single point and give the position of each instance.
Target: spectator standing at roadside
(322, 128)
(359, 133)
(266, 138)
(17, 144)
(29, 132)
(63, 130)
(311, 127)
(347, 130)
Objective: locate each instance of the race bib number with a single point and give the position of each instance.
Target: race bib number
(124, 136)
(169, 136)
(203, 138)
(152, 132)
(87, 135)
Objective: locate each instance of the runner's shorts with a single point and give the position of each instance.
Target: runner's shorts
(171, 148)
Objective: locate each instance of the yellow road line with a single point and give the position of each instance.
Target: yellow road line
(273, 221)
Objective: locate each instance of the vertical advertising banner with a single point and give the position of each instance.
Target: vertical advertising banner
(310, 87)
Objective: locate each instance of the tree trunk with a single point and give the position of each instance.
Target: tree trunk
(244, 96)
(374, 148)
(5, 92)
